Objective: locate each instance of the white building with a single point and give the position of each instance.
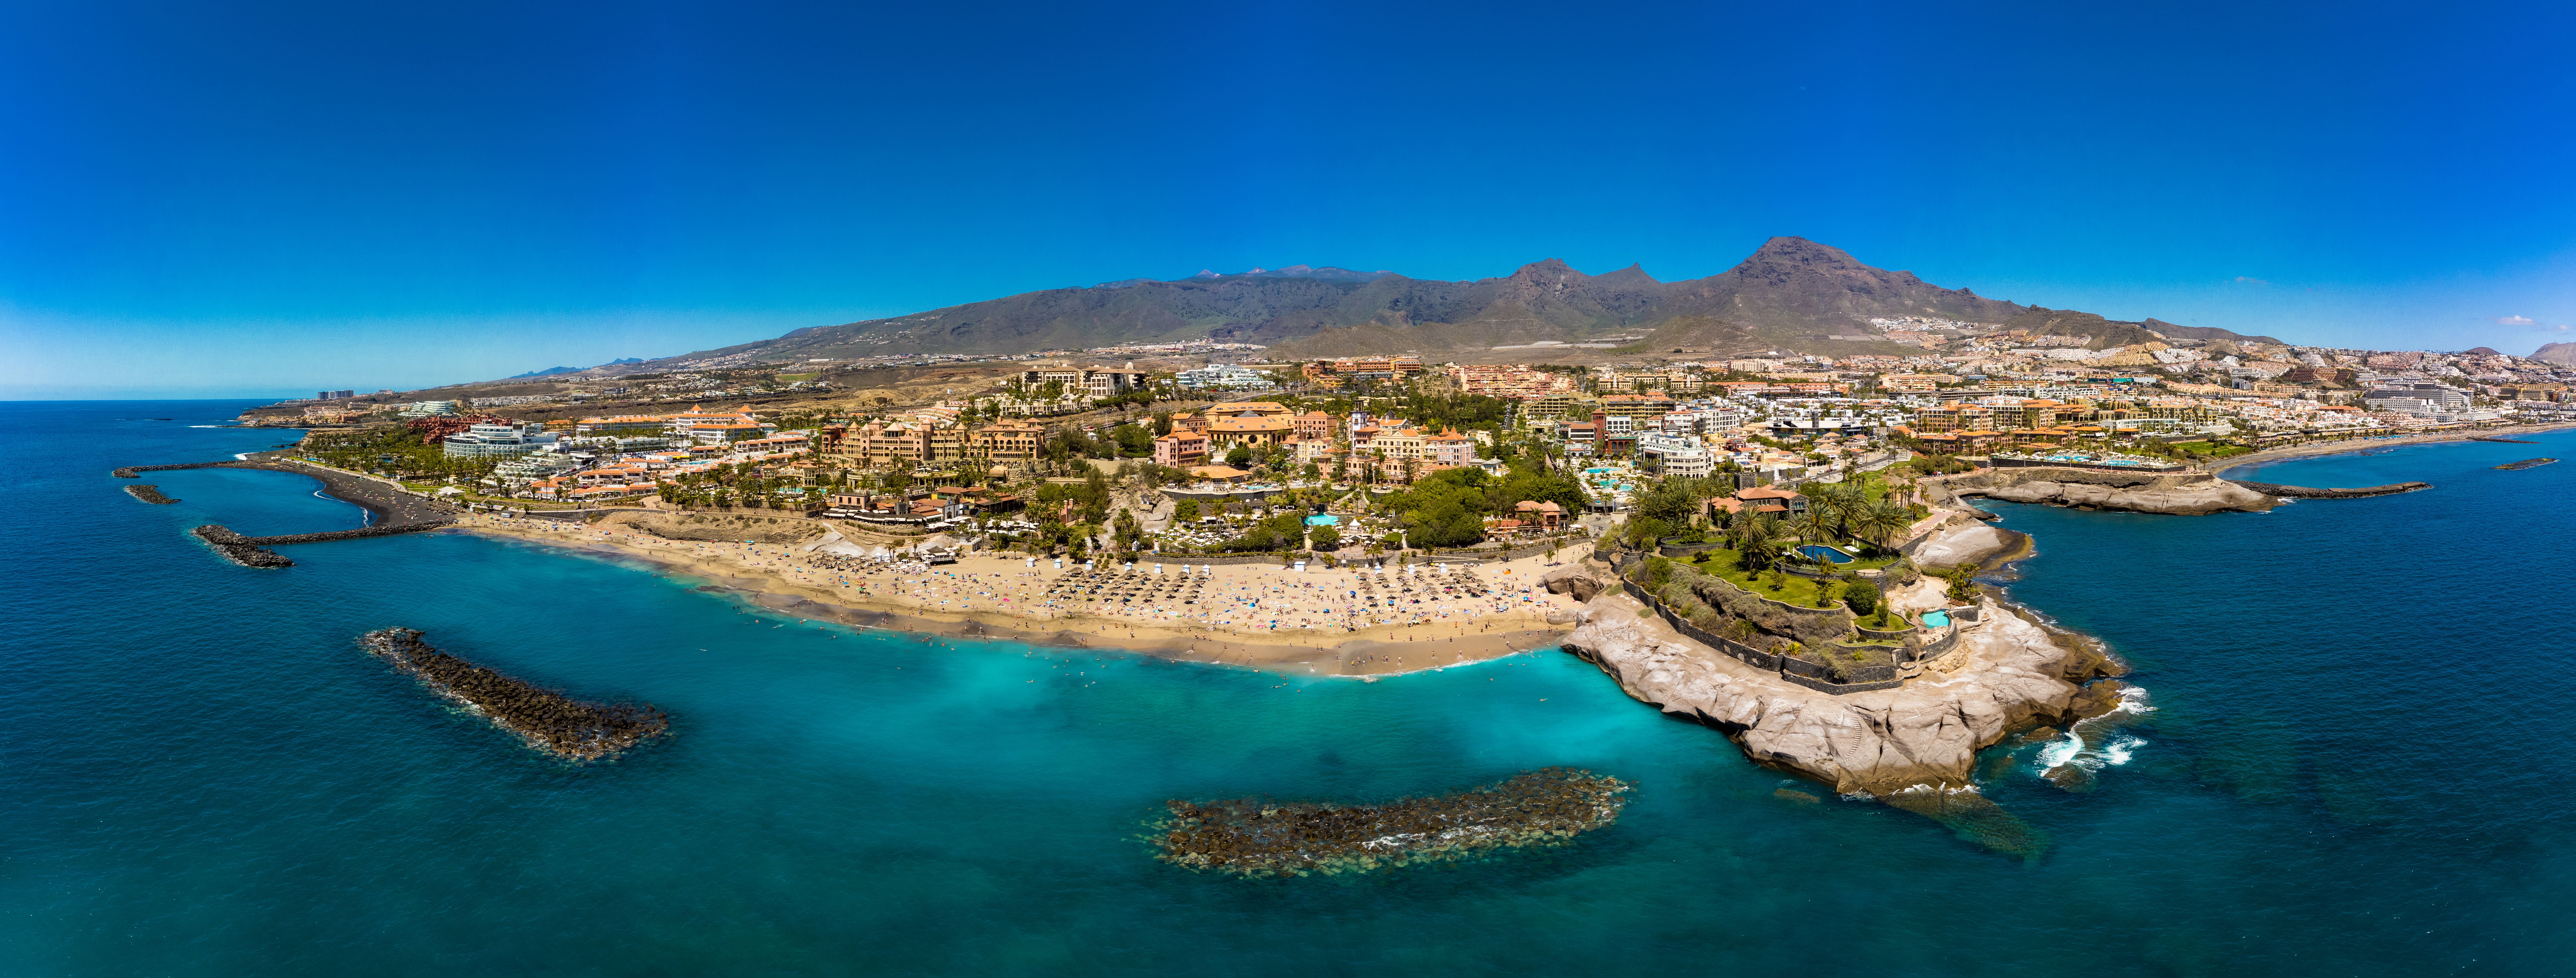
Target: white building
(498, 441)
(1218, 376)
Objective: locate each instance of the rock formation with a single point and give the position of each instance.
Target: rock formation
(1966, 543)
(2180, 493)
(2005, 674)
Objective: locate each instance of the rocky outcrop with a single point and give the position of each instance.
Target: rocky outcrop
(2008, 674)
(2183, 493)
(1582, 580)
(1963, 544)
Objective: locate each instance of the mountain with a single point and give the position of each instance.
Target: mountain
(623, 360)
(2483, 351)
(1791, 294)
(2561, 353)
(1327, 273)
(548, 372)
(2173, 331)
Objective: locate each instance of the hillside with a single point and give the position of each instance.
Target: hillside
(1791, 294)
(2206, 333)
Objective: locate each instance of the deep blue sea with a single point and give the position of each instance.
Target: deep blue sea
(2353, 766)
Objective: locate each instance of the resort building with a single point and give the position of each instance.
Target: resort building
(1093, 381)
(1181, 449)
(497, 441)
(1218, 376)
(1771, 500)
(1334, 373)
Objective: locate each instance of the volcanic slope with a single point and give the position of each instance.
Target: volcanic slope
(1791, 294)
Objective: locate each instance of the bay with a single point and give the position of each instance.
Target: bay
(2351, 766)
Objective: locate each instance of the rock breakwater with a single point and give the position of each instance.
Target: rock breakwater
(239, 549)
(545, 719)
(2308, 492)
(1261, 837)
(149, 494)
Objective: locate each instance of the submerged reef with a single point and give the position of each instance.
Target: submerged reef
(546, 719)
(1261, 837)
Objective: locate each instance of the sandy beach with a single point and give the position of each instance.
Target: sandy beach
(1320, 622)
(2224, 466)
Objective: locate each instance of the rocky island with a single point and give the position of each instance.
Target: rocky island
(1260, 837)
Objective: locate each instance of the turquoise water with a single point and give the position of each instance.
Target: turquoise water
(200, 775)
(1935, 619)
(1323, 519)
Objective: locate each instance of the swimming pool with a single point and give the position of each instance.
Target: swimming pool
(1323, 519)
(1818, 551)
(1935, 619)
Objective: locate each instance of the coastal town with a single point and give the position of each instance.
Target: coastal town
(1800, 514)
(1181, 452)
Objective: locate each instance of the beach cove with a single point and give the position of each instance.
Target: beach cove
(2316, 790)
(988, 595)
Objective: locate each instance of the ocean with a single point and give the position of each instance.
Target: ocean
(2349, 767)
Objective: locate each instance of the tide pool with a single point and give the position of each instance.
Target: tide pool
(201, 774)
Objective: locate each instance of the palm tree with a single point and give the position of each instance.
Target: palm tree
(1835, 502)
(1879, 522)
(1757, 541)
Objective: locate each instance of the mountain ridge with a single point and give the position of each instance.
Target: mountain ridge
(1789, 294)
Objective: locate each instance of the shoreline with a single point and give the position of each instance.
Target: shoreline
(2223, 468)
(1365, 654)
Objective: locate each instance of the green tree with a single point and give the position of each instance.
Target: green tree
(1863, 597)
(1240, 456)
(1963, 584)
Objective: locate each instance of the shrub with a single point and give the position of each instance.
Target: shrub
(1863, 597)
(1658, 570)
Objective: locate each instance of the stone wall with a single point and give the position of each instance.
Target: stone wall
(1799, 671)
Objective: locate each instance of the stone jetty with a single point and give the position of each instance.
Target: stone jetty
(546, 719)
(2307, 492)
(395, 511)
(240, 549)
(1262, 837)
(149, 494)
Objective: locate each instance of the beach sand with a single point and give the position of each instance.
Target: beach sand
(1256, 615)
(2226, 465)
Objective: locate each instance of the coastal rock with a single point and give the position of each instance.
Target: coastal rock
(1926, 732)
(1964, 544)
(1582, 581)
(2181, 494)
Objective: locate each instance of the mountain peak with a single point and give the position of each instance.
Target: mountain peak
(1552, 269)
(1802, 251)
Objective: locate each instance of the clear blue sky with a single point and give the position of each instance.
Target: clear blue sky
(248, 198)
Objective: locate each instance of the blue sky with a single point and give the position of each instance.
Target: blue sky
(215, 199)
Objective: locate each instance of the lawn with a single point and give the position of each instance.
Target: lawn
(1722, 564)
